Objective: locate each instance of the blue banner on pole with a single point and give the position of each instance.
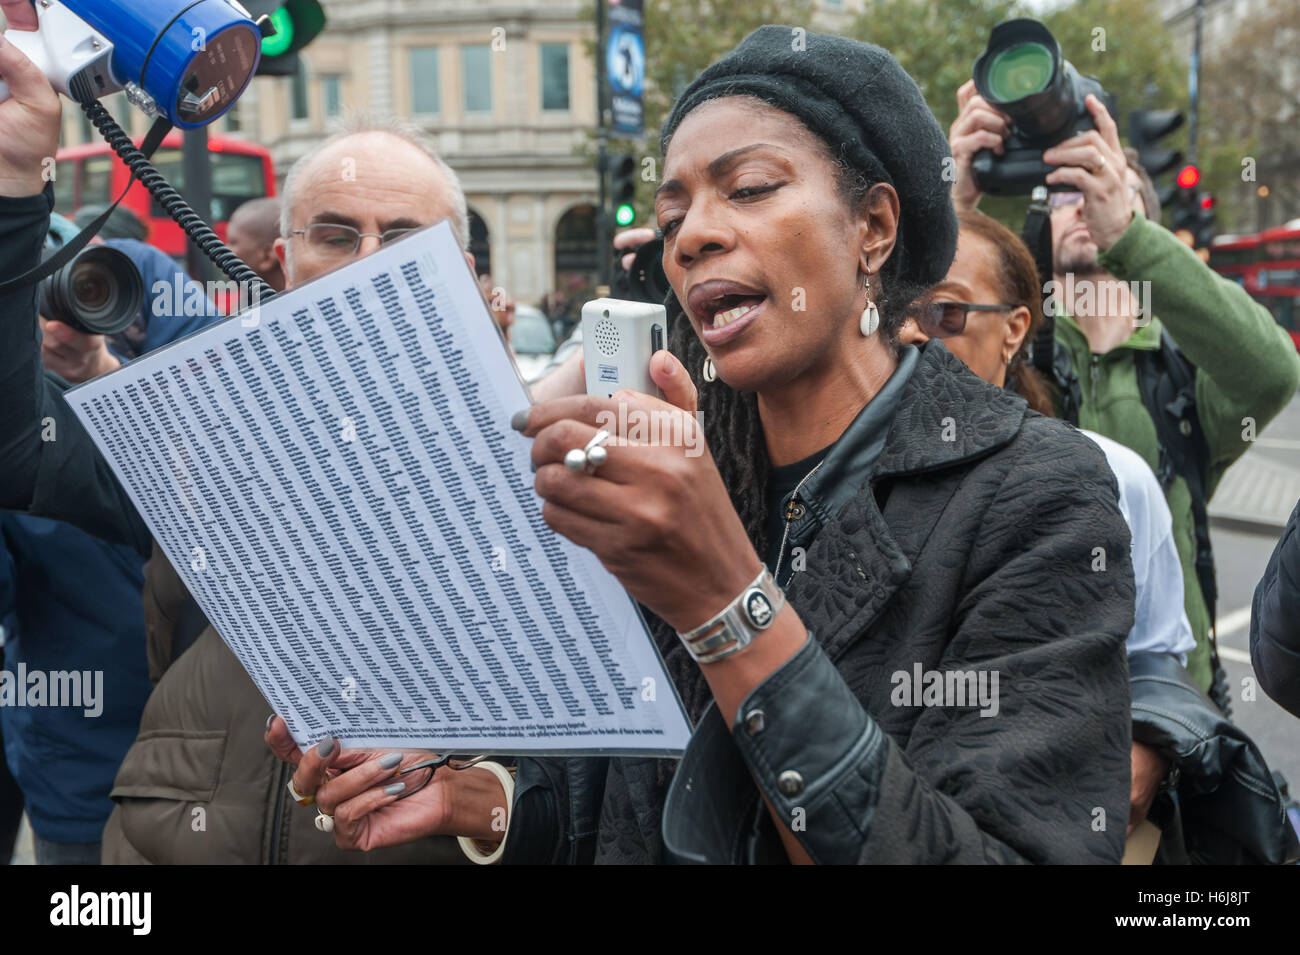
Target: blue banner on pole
(625, 66)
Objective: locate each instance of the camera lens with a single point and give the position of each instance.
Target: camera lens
(92, 288)
(1020, 71)
(99, 292)
(1022, 74)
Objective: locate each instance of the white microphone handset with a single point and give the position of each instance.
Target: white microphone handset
(74, 57)
(618, 340)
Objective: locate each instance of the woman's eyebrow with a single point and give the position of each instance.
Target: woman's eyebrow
(718, 166)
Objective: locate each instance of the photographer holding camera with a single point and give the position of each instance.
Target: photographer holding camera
(1121, 280)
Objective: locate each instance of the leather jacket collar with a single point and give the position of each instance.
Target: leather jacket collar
(946, 416)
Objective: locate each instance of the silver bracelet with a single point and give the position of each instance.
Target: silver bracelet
(730, 631)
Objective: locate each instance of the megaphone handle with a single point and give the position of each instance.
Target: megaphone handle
(32, 44)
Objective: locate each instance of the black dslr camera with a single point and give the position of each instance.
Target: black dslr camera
(100, 292)
(1023, 74)
(645, 281)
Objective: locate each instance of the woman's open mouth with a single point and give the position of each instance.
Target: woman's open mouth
(729, 315)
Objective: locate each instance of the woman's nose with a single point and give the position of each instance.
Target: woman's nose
(702, 232)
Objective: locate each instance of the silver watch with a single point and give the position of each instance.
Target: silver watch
(739, 623)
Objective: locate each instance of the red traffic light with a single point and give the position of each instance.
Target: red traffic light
(1207, 202)
(1188, 177)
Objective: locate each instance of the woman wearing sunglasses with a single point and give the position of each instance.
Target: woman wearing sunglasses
(876, 594)
(985, 310)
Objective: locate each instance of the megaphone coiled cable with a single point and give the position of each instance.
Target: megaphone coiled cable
(174, 203)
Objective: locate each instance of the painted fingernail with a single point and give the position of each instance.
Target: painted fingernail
(519, 420)
(394, 789)
(533, 465)
(326, 747)
(391, 760)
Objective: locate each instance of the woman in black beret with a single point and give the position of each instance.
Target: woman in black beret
(893, 599)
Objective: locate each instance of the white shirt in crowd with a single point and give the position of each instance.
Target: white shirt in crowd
(1160, 622)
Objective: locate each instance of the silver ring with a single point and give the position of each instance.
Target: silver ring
(324, 822)
(586, 460)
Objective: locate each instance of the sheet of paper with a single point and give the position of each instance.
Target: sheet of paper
(335, 478)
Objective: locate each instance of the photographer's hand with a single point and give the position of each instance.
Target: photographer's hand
(29, 119)
(977, 126)
(629, 240)
(1094, 164)
(75, 356)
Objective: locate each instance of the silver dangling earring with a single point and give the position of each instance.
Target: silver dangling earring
(710, 373)
(870, 319)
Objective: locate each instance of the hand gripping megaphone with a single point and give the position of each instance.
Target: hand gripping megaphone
(185, 60)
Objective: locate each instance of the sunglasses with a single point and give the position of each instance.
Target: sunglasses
(946, 319)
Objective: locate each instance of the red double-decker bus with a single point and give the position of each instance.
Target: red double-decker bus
(1277, 278)
(93, 175)
(1235, 258)
(1268, 267)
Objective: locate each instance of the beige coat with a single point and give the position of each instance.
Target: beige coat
(199, 784)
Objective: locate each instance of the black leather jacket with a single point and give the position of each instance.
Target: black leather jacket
(1275, 620)
(1224, 808)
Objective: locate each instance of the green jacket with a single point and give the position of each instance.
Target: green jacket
(1247, 371)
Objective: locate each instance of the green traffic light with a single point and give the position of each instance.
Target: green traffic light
(624, 214)
(279, 44)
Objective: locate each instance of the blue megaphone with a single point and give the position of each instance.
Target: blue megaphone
(187, 60)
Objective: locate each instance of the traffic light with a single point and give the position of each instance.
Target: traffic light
(623, 191)
(1188, 177)
(295, 23)
(1146, 127)
(1205, 223)
(1186, 212)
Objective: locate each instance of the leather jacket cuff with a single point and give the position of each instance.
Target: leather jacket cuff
(815, 753)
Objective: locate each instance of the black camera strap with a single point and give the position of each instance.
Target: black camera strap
(82, 239)
(1037, 235)
(1049, 358)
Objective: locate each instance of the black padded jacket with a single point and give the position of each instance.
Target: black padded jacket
(987, 539)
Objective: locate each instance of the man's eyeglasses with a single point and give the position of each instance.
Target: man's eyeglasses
(1059, 200)
(331, 241)
(946, 319)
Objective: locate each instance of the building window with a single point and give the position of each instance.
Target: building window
(298, 94)
(476, 77)
(232, 119)
(331, 88)
(555, 76)
(425, 93)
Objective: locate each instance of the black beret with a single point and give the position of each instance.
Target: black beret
(858, 99)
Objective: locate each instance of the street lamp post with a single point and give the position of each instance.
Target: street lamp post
(1194, 83)
(603, 238)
